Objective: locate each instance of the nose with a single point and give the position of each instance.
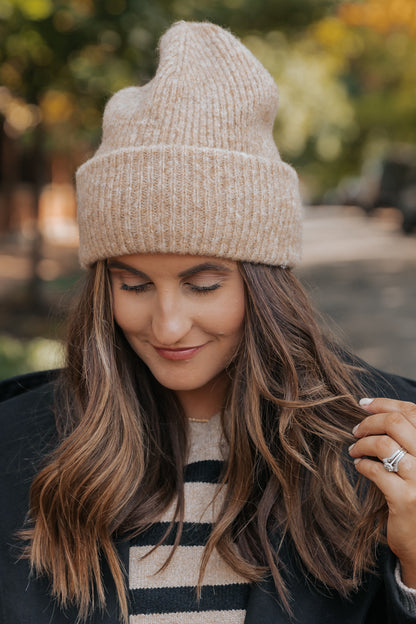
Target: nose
(171, 321)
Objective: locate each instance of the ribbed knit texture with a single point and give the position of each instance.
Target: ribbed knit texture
(169, 596)
(188, 163)
(407, 594)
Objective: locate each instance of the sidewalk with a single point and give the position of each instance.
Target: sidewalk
(361, 271)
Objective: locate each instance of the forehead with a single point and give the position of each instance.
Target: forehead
(173, 263)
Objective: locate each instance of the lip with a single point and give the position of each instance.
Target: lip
(179, 354)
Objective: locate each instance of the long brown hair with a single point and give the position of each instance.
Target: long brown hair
(290, 410)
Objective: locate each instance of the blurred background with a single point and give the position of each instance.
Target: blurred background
(346, 72)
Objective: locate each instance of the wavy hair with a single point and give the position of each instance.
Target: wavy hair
(290, 409)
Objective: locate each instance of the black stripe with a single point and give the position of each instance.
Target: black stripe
(193, 534)
(208, 471)
(183, 599)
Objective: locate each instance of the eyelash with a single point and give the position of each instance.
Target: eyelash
(200, 290)
(138, 289)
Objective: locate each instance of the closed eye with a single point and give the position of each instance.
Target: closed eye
(204, 289)
(136, 288)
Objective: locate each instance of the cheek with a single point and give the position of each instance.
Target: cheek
(128, 315)
(227, 317)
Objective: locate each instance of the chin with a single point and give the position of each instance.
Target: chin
(180, 386)
(182, 381)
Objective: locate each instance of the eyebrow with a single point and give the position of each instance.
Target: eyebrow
(205, 266)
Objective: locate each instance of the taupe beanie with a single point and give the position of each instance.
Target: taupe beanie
(187, 162)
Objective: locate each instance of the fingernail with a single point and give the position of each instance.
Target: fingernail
(351, 446)
(355, 429)
(357, 460)
(365, 402)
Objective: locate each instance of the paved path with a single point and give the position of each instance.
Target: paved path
(361, 271)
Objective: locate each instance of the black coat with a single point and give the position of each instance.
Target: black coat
(27, 430)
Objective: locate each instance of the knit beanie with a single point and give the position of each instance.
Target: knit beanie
(187, 162)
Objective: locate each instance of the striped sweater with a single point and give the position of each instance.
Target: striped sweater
(169, 596)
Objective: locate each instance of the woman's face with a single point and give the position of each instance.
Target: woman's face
(182, 315)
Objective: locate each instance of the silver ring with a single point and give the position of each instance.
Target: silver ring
(391, 464)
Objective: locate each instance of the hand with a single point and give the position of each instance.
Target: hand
(392, 425)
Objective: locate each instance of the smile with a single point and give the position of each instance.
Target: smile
(179, 354)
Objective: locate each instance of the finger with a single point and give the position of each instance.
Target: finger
(381, 404)
(393, 424)
(383, 447)
(400, 498)
(394, 488)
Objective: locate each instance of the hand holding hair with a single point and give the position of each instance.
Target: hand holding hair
(389, 434)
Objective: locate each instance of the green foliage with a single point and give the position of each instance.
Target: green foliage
(378, 72)
(23, 356)
(316, 115)
(344, 87)
(243, 16)
(69, 56)
(34, 9)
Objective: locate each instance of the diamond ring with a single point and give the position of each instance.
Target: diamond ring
(391, 464)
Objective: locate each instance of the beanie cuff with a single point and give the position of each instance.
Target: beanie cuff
(189, 200)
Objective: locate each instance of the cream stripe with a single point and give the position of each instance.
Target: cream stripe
(198, 507)
(207, 441)
(182, 571)
(202, 617)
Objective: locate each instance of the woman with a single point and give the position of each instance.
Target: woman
(198, 458)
